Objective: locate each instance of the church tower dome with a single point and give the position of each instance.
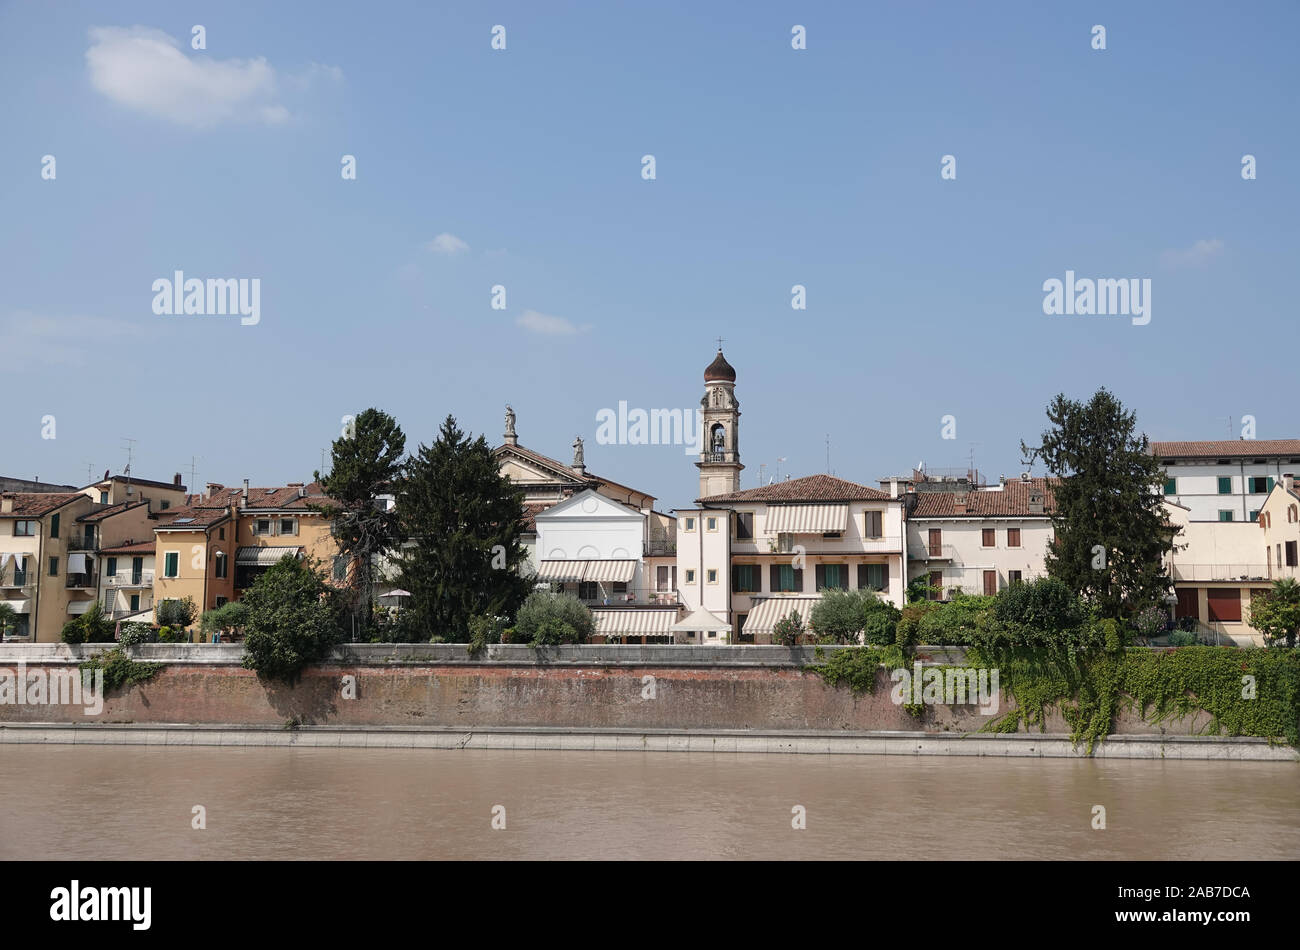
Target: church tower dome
(719, 461)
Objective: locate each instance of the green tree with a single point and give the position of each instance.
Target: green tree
(463, 519)
(177, 613)
(788, 629)
(226, 619)
(842, 615)
(290, 620)
(1111, 536)
(8, 620)
(548, 618)
(1277, 614)
(366, 462)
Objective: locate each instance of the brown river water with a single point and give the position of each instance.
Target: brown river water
(127, 802)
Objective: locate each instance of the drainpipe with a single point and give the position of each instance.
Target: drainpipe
(1245, 488)
(36, 599)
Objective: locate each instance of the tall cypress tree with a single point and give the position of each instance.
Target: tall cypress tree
(464, 520)
(1111, 532)
(366, 463)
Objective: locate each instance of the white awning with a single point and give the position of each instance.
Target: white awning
(254, 556)
(806, 519)
(763, 618)
(702, 620)
(79, 606)
(561, 570)
(634, 622)
(76, 563)
(610, 571)
(23, 606)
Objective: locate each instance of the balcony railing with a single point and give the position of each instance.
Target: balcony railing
(20, 579)
(659, 548)
(931, 552)
(632, 597)
(1221, 572)
(81, 581)
(80, 543)
(130, 579)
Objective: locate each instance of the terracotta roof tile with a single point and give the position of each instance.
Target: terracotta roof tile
(191, 519)
(1010, 501)
(111, 510)
(1228, 448)
(808, 488)
(39, 504)
(137, 547)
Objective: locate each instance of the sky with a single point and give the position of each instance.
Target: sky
(523, 168)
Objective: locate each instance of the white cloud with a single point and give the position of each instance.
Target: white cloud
(1198, 255)
(447, 244)
(147, 70)
(36, 342)
(551, 326)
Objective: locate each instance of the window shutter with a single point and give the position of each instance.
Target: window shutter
(819, 572)
(774, 577)
(1270, 483)
(798, 579)
(862, 577)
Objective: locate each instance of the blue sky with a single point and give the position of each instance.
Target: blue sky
(774, 167)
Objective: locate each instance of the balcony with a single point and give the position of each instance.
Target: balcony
(20, 580)
(632, 597)
(79, 543)
(1221, 572)
(130, 579)
(659, 548)
(86, 581)
(931, 552)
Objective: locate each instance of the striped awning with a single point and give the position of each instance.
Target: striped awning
(23, 606)
(610, 571)
(561, 570)
(605, 572)
(763, 618)
(634, 622)
(807, 519)
(255, 556)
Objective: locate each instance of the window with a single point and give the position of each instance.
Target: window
(221, 601)
(1225, 605)
(1291, 554)
(1225, 484)
(990, 582)
(1171, 486)
(340, 568)
(690, 524)
(620, 587)
(744, 578)
(103, 498)
(588, 590)
(171, 564)
(54, 567)
(690, 575)
(710, 524)
(54, 525)
(24, 529)
(1188, 603)
(1013, 537)
(221, 534)
(164, 505)
(873, 576)
(785, 578)
(832, 535)
(935, 583)
(832, 576)
(112, 567)
(874, 527)
(1260, 485)
(220, 569)
(135, 603)
(785, 542)
(744, 525)
(1014, 577)
(936, 542)
(261, 526)
(989, 538)
(712, 575)
(288, 525)
(20, 572)
(1254, 515)
(1225, 515)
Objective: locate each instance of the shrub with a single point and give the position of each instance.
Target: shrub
(227, 619)
(841, 615)
(908, 631)
(176, 613)
(954, 622)
(90, 627)
(553, 618)
(1183, 638)
(1043, 613)
(484, 630)
(788, 629)
(1151, 622)
(73, 632)
(290, 621)
(136, 632)
(170, 635)
(120, 670)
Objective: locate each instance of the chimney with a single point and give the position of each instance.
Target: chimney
(959, 503)
(245, 488)
(1288, 481)
(7, 503)
(893, 488)
(1035, 502)
(302, 491)
(176, 479)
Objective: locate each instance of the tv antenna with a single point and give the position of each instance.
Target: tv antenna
(130, 458)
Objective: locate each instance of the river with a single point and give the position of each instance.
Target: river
(95, 802)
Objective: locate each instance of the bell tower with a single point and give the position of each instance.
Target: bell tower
(719, 463)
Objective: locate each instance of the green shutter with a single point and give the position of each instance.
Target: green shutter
(112, 566)
(54, 525)
(1225, 484)
(1270, 483)
(1171, 486)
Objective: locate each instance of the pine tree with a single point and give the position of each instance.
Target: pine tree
(464, 520)
(1111, 535)
(365, 463)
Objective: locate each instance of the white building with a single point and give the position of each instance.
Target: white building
(1225, 480)
(1217, 568)
(981, 540)
(126, 581)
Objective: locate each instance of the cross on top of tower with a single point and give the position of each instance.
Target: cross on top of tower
(719, 344)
